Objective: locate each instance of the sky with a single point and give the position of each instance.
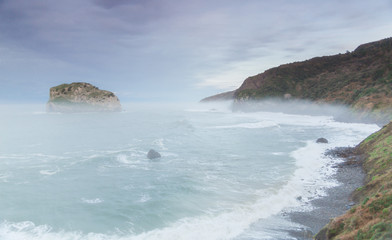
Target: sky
(171, 50)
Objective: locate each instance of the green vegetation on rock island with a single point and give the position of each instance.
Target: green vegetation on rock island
(81, 97)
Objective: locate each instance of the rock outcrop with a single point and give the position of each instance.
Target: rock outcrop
(81, 97)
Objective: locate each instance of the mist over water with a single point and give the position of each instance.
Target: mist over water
(86, 176)
(339, 112)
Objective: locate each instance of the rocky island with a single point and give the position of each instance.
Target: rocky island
(81, 97)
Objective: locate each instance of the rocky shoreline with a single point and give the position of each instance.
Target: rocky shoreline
(339, 199)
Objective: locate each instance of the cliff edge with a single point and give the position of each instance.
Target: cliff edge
(81, 97)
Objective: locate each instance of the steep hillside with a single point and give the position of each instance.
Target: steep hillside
(372, 217)
(361, 79)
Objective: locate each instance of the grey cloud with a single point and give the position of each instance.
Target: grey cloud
(68, 30)
(173, 40)
(113, 3)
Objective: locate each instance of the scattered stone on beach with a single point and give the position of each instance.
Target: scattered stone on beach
(351, 156)
(341, 152)
(152, 154)
(350, 205)
(321, 140)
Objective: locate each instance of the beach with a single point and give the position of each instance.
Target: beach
(338, 200)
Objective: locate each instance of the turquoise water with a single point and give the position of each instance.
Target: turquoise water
(86, 176)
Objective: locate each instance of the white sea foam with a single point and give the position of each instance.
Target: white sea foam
(122, 158)
(199, 157)
(307, 180)
(144, 198)
(5, 176)
(278, 153)
(92, 201)
(160, 143)
(49, 171)
(262, 124)
(132, 159)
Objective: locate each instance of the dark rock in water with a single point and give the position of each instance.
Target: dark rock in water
(152, 154)
(322, 140)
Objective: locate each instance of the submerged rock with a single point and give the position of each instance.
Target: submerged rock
(81, 97)
(321, 140)
(152, 154)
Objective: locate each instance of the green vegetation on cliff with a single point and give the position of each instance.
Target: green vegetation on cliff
(361, 79)
(372, 217)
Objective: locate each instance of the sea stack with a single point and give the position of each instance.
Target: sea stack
(81, 97)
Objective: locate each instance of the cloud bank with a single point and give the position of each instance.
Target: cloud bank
(171, 49)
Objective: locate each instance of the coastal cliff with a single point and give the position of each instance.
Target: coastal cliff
(81, 97)
(372, 217)
(361, 79)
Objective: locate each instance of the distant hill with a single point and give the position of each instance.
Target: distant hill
(361, 79)
(220, 97)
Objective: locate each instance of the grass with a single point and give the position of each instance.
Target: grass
(372, 218)
(60, 99)
(61, 87)
(379, 231)
(380, 204)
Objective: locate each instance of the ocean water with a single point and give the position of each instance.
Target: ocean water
(86, 176)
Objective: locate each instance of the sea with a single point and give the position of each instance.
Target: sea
(221, 175)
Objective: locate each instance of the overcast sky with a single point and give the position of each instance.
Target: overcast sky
(171, 50)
